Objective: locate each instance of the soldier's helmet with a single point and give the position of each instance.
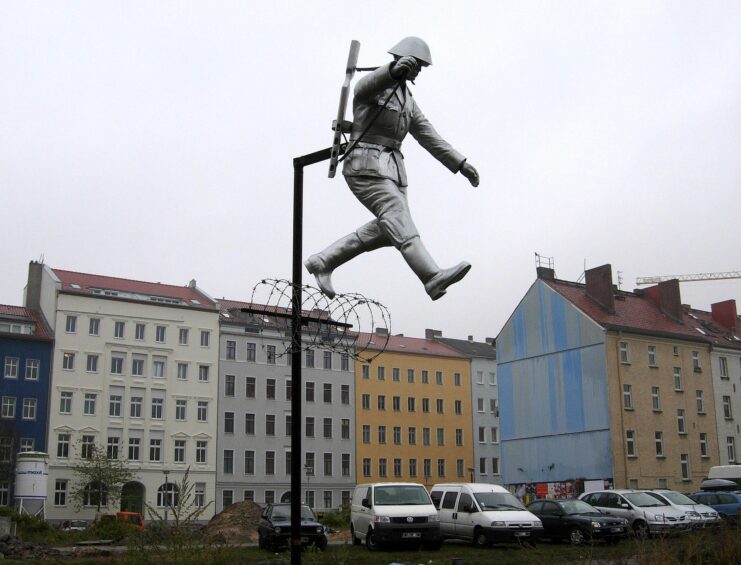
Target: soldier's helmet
(414, 47)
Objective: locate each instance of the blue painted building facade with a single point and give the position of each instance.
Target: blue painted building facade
(25, 353)
(553, 394)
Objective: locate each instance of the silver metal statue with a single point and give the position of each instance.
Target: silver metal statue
(384, 111)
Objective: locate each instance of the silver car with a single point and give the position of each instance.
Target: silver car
(645, 514)
(699, 515)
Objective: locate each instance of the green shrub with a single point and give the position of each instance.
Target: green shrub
(337, 520)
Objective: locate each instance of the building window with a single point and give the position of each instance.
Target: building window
(681, 425)
(365, 401)
(68, 361)
(180, 410)
(328, 360)
(696, 362)
(628, 397)
(412, 436)
(249, 462)
(60, 492)
(71, 324)
(366, 467)
(482, 434)
(677, 378)
(114, 405)
(231, 350)
(11, 368)
(381, 402)
(137, 367)
(249, 495)
(228, 422)
(227, 498)
(8, 407)
(382, 434)
(32, 369)
(27, 444)
(309, 426)
(480, 377)
(327, 464)
(438, 377)
(723, 367)
(381, 373)
(457, 379)
(624, 352)
(441, 467)
(251, 352)
(382, 472)
(289, 389)
(458, 407)
(425, 436)
(440, 406)
(65, 402)
(684, 464)
(270, 497)
(482, 465)
(655, 399)
(139, 332)
(425, 377)
(309, 358)
(203, 373)
(249, 424)
(202, 414)
(309, 391)
(205, 338)
(480, 405)
(119, 329)
(365, 371)
(270, 349)
(345, 394)
(113, 447)
(269, 424)
(134, 448)
(412, 467)
(328, 428)
(458, 437)
(659, 442)
(395, 374)
(250, 387)
(179, 452)
(182, 371)
(136, 407)
(183, 335)
(200, 495)
(727, 412)
(270, 389)
(410, 404)
(397, 435)
(229, 461)
(345, 428)
(155, 449)
(700, 402)
(493, 407)
(494, 434)
(495, 465)
(289, 425)
(62, 445)
(703, 444)
(630, 443)
(158, 368)
(652, 356)
(94, 326)
(328, 393)
(158, 405)
(229, 385)
(345, 464)
(344, 362)
(201, 451)
(87, 447)
(427, 468)
(160, 334)
(117, 363)
(425, 405)
(89, 405)
(731, 448)
(440, 436)
(410, 375)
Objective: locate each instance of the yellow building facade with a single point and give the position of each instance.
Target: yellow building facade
(413, 412)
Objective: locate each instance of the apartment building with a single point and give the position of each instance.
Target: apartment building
(722, 327)
(413, 411)
(255, 421)
(25, 352)
(134, 373)
(602, 385)
(484, 403)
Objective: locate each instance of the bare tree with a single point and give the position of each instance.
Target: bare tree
(98, 478)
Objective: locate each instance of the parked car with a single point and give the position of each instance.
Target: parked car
(699, 515)
(483, 514)
(274, 528)
(393, 512)
(646, 515)
(727, 504)
(577, 521)
(75, 525)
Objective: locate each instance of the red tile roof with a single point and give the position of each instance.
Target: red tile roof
(25, 315)
(409, 345)
(86, 282)
(714, 332)
(633, 312)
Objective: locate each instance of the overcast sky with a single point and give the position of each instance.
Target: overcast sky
(154, 141)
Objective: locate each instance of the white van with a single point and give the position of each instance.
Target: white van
(483, 514)
(393, 512)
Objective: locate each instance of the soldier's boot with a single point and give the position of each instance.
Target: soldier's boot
(322, 264)
(435, 279)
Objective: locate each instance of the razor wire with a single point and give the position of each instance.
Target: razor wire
(347, 324)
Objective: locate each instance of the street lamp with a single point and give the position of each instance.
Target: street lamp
(165, 497)
(309, 472)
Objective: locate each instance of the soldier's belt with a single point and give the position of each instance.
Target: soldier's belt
(381, 140)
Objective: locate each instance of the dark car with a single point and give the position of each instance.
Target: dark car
(727, 504)
(274, 528)
(577, 521)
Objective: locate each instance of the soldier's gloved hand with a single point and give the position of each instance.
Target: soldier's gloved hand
(470, 172)
(405, 68)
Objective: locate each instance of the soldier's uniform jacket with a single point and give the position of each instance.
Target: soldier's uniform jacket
(378, 153)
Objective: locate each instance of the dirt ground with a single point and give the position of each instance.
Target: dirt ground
(238, 524)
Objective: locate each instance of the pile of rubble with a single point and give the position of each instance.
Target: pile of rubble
(13, 548)
(237, 523)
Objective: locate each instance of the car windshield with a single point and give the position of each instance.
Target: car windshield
(284, 513)
(677, 497)
(577, 507)
(498, 501)
(643, 500)
(402, 495)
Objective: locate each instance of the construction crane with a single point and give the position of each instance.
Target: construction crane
(695, 277)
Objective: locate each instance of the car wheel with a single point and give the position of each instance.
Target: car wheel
(576, 536)
(260, 541)
(355, 539)
(640, 529)
(321, 543)
(479, 538)
(371, 542)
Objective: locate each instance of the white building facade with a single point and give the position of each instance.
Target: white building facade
(135, 372)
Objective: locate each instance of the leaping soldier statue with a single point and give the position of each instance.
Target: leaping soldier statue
(384, 111)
